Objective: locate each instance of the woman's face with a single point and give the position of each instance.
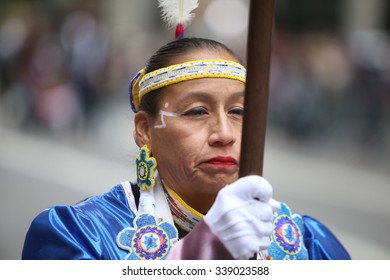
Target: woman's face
(196, 136)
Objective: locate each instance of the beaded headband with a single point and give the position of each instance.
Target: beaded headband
(142, 83)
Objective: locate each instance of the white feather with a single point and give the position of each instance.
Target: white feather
(174, 12)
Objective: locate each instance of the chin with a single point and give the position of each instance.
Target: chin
(223, 180)
(219, 182)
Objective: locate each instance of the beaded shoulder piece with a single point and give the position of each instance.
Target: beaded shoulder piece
(287, 236)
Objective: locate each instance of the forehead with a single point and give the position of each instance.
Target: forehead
(203, 90)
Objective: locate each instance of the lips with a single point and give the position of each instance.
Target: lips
(222, 161)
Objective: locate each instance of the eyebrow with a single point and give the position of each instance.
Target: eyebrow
(206, 97)
(236, 95)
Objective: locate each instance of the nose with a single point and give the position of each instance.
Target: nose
(221, 131)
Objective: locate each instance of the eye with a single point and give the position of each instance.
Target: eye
(239, 111)
(197, 111)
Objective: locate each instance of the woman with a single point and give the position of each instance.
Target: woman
(188, 202)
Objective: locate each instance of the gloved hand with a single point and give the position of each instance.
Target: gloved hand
(242, 215)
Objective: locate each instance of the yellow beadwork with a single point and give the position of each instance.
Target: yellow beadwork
(197, 69)
(183, 203)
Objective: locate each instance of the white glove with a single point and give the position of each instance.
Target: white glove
(242, 215)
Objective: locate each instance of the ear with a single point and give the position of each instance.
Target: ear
(142, 125)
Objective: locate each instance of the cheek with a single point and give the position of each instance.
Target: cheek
(180, 144)
(238, 132)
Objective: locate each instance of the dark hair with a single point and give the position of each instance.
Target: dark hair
(163, 57)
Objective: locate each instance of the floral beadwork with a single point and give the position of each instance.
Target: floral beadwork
(147, 240)
(287, 237)
(146, 167)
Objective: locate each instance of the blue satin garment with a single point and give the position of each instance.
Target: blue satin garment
(321, 243)
(89, 229)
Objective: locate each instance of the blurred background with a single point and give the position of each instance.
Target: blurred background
(66, 124)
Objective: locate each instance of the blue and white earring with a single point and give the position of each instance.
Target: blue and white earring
(147, 240)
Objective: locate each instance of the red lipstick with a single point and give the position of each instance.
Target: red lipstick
(222, 161)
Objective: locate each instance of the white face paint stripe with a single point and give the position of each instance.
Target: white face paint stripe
(162, 114)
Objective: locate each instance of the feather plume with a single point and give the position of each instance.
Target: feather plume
(176, 12)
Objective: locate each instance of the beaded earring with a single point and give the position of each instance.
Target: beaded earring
(146, 166)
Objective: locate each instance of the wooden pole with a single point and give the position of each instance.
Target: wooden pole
(261, 18)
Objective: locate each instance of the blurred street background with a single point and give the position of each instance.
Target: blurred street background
(66, 123)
